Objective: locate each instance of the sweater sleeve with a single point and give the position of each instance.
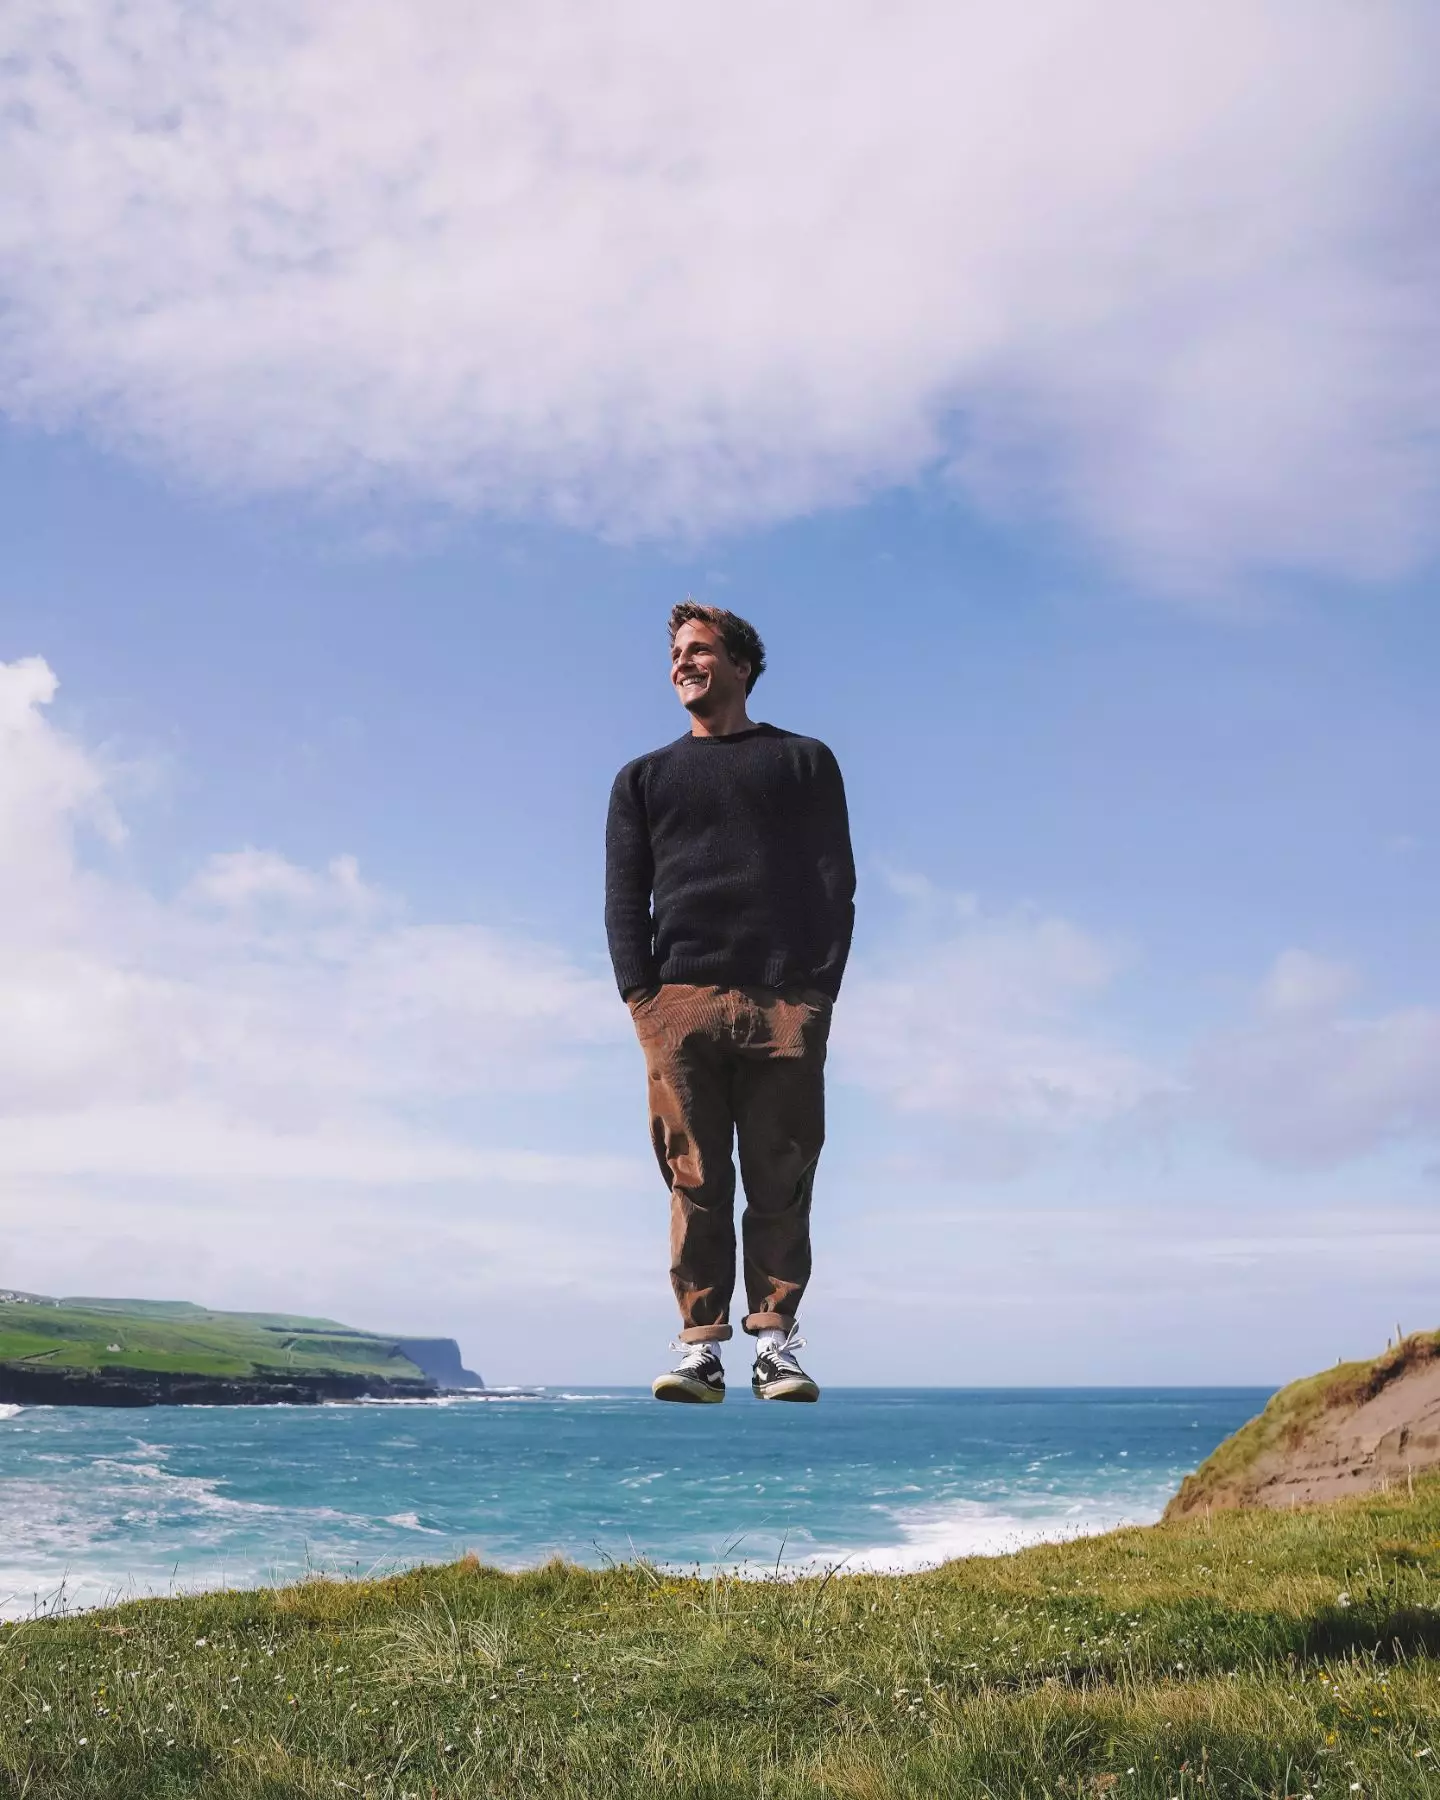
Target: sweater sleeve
(835, 864)
(629, 878)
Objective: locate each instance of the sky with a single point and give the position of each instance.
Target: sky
(1057, 389)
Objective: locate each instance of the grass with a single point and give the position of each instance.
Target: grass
(1290, 1417)
(1247, 1654)
(177, 1338)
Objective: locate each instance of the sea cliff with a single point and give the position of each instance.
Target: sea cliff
(135, 1387)
(101, 1352)
(1359, 1428)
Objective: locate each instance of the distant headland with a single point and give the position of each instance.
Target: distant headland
(95, 1352)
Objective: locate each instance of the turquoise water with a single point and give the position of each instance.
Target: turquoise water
(109, 1503)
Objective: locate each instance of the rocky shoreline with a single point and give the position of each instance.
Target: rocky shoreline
(134, 1387)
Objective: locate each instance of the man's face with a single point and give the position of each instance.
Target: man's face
(700, 667)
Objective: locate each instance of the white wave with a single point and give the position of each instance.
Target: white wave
(9, 1412)
(930, 1536)
(152, 1482)
(119, 1527)
(102, 1545)
(489, 1397)
(498, 1396)
(413, 1522)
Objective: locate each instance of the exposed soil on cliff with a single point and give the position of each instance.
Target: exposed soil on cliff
(1359, 1428)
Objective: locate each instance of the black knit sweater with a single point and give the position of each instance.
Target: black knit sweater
(743, 845)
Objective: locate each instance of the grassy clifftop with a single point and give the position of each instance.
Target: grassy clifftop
(1248, 1654)
(1315, 1428)
(89, 1343)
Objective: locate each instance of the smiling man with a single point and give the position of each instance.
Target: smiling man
(729, 904)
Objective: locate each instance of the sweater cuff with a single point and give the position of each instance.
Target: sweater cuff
(633, 975)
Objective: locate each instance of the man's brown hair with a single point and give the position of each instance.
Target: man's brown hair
(740, 638)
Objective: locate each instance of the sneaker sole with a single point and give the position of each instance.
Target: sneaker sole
(688, 1393)
(792, 1388)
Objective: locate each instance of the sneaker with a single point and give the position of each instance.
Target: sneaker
(778, 1376)
(698, 1378)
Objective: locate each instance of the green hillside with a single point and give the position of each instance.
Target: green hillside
(174, 1337)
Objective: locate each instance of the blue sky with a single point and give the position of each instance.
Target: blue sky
(1081, 480)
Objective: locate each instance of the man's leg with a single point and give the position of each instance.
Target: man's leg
(780, 1119)
(685, 1034)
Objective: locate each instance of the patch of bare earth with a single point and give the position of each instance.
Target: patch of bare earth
(1375, 1428)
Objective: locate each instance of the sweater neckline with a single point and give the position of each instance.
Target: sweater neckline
(731, 737)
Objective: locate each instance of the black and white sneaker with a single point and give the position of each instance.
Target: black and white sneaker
(697, 1379)
(778, 1375)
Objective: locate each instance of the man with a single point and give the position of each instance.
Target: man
(729, 904)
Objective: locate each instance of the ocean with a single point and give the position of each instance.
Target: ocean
(98, 1504)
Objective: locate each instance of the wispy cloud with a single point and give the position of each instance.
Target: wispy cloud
(1313, 1083)
(1168, 273)
(991, 1026)
(999, 1040)
(271, 1021)
(1301, 985)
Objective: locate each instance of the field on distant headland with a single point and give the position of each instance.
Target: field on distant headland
(166, 1335)
(1245, 1654)
(54, 1351)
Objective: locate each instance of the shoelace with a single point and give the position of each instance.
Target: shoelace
(785, 1353)
(693, 1357)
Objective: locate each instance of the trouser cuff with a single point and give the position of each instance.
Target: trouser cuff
(706, 1334)
(771, 1321)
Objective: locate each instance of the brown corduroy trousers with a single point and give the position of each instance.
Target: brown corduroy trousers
(727, 1063)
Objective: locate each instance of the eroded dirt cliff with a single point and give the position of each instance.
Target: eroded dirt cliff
(1355, 1429)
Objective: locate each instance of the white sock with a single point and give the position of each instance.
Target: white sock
(770, 1338)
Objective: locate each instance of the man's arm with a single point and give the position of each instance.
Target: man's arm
(835, 866)
(629, 877)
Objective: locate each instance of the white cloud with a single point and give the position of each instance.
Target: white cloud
(272, 1022)
(1193, 1275)
(1301, 985)
(197, 1142)
(1311, 1086)
(996, 1040)
(49, 786)
(180, 1139)
(987, 1023)
(242, 879)
(1167, 271)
